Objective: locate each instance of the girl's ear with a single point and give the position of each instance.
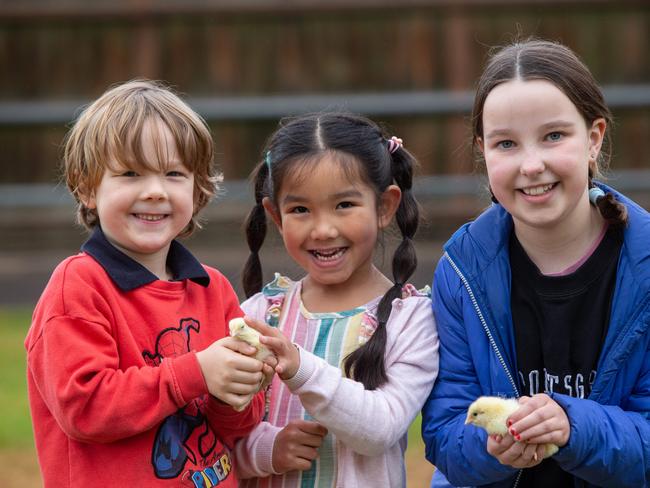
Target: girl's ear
(388, 203)
(480, 145)
(273, 212)
(596, 135)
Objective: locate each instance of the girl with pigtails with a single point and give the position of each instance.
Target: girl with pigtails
(357, 352)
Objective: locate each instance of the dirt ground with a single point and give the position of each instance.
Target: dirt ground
(20, 469)
(418, 469)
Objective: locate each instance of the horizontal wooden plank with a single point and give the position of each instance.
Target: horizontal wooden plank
(35, 112)
(238, 193)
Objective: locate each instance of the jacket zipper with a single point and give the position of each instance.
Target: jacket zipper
(493, 343)
(483, 323)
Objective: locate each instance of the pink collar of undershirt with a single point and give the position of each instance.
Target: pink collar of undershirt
(586, 256)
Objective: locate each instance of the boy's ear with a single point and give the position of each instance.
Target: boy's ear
(273, 212)
(88, 199)
(388, 203)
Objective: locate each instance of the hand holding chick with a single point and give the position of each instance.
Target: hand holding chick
(239, 329)
(286, 352)
(491, 414)
(231, 374)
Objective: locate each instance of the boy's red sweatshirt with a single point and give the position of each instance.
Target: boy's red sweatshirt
(116, 392)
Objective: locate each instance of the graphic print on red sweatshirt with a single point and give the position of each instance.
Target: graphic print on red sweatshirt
(185, 444)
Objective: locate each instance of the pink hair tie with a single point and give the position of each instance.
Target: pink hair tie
(394, 143)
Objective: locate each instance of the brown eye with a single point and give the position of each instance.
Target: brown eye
(299, 210)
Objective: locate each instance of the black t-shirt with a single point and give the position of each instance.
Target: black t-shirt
(560, 324)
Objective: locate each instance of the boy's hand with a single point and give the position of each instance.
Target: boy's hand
(286, 353)
(540, 420)
(230, 374)
(296, 445)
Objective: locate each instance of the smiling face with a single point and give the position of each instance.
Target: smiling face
(142, 209)
(538, 149)
(329, 222)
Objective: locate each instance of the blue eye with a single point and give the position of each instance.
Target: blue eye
(506, 144)
(555, 136)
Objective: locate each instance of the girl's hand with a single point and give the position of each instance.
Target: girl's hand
(540, 420)
(230, 374)
(296, 445)
(516, 454)
(286, 353)
(268, 370)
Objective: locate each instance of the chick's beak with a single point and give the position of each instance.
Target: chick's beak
(468, 420)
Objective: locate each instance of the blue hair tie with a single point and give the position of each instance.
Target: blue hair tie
(595, 193)
(268, 160)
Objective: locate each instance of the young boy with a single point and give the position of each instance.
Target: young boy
(118, 394)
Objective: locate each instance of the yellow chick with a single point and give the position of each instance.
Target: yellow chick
(240, 330)
(491, 413)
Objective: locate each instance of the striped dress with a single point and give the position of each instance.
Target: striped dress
(328, 336)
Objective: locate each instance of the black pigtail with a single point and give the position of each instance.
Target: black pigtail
(366, 364)
(407, 217)
(255, 228)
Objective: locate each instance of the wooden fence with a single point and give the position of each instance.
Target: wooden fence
(69, 52)
(243, 64)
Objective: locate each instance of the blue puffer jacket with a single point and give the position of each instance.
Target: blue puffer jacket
(609, 443)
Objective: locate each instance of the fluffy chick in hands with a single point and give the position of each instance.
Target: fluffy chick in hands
(239, 329)
(491, 413)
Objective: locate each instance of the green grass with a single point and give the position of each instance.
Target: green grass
(415, 435)
(15, 422)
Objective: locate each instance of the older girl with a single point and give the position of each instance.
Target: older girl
(546, 296)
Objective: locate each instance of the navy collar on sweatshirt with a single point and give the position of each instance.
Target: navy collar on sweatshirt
(128, 274)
